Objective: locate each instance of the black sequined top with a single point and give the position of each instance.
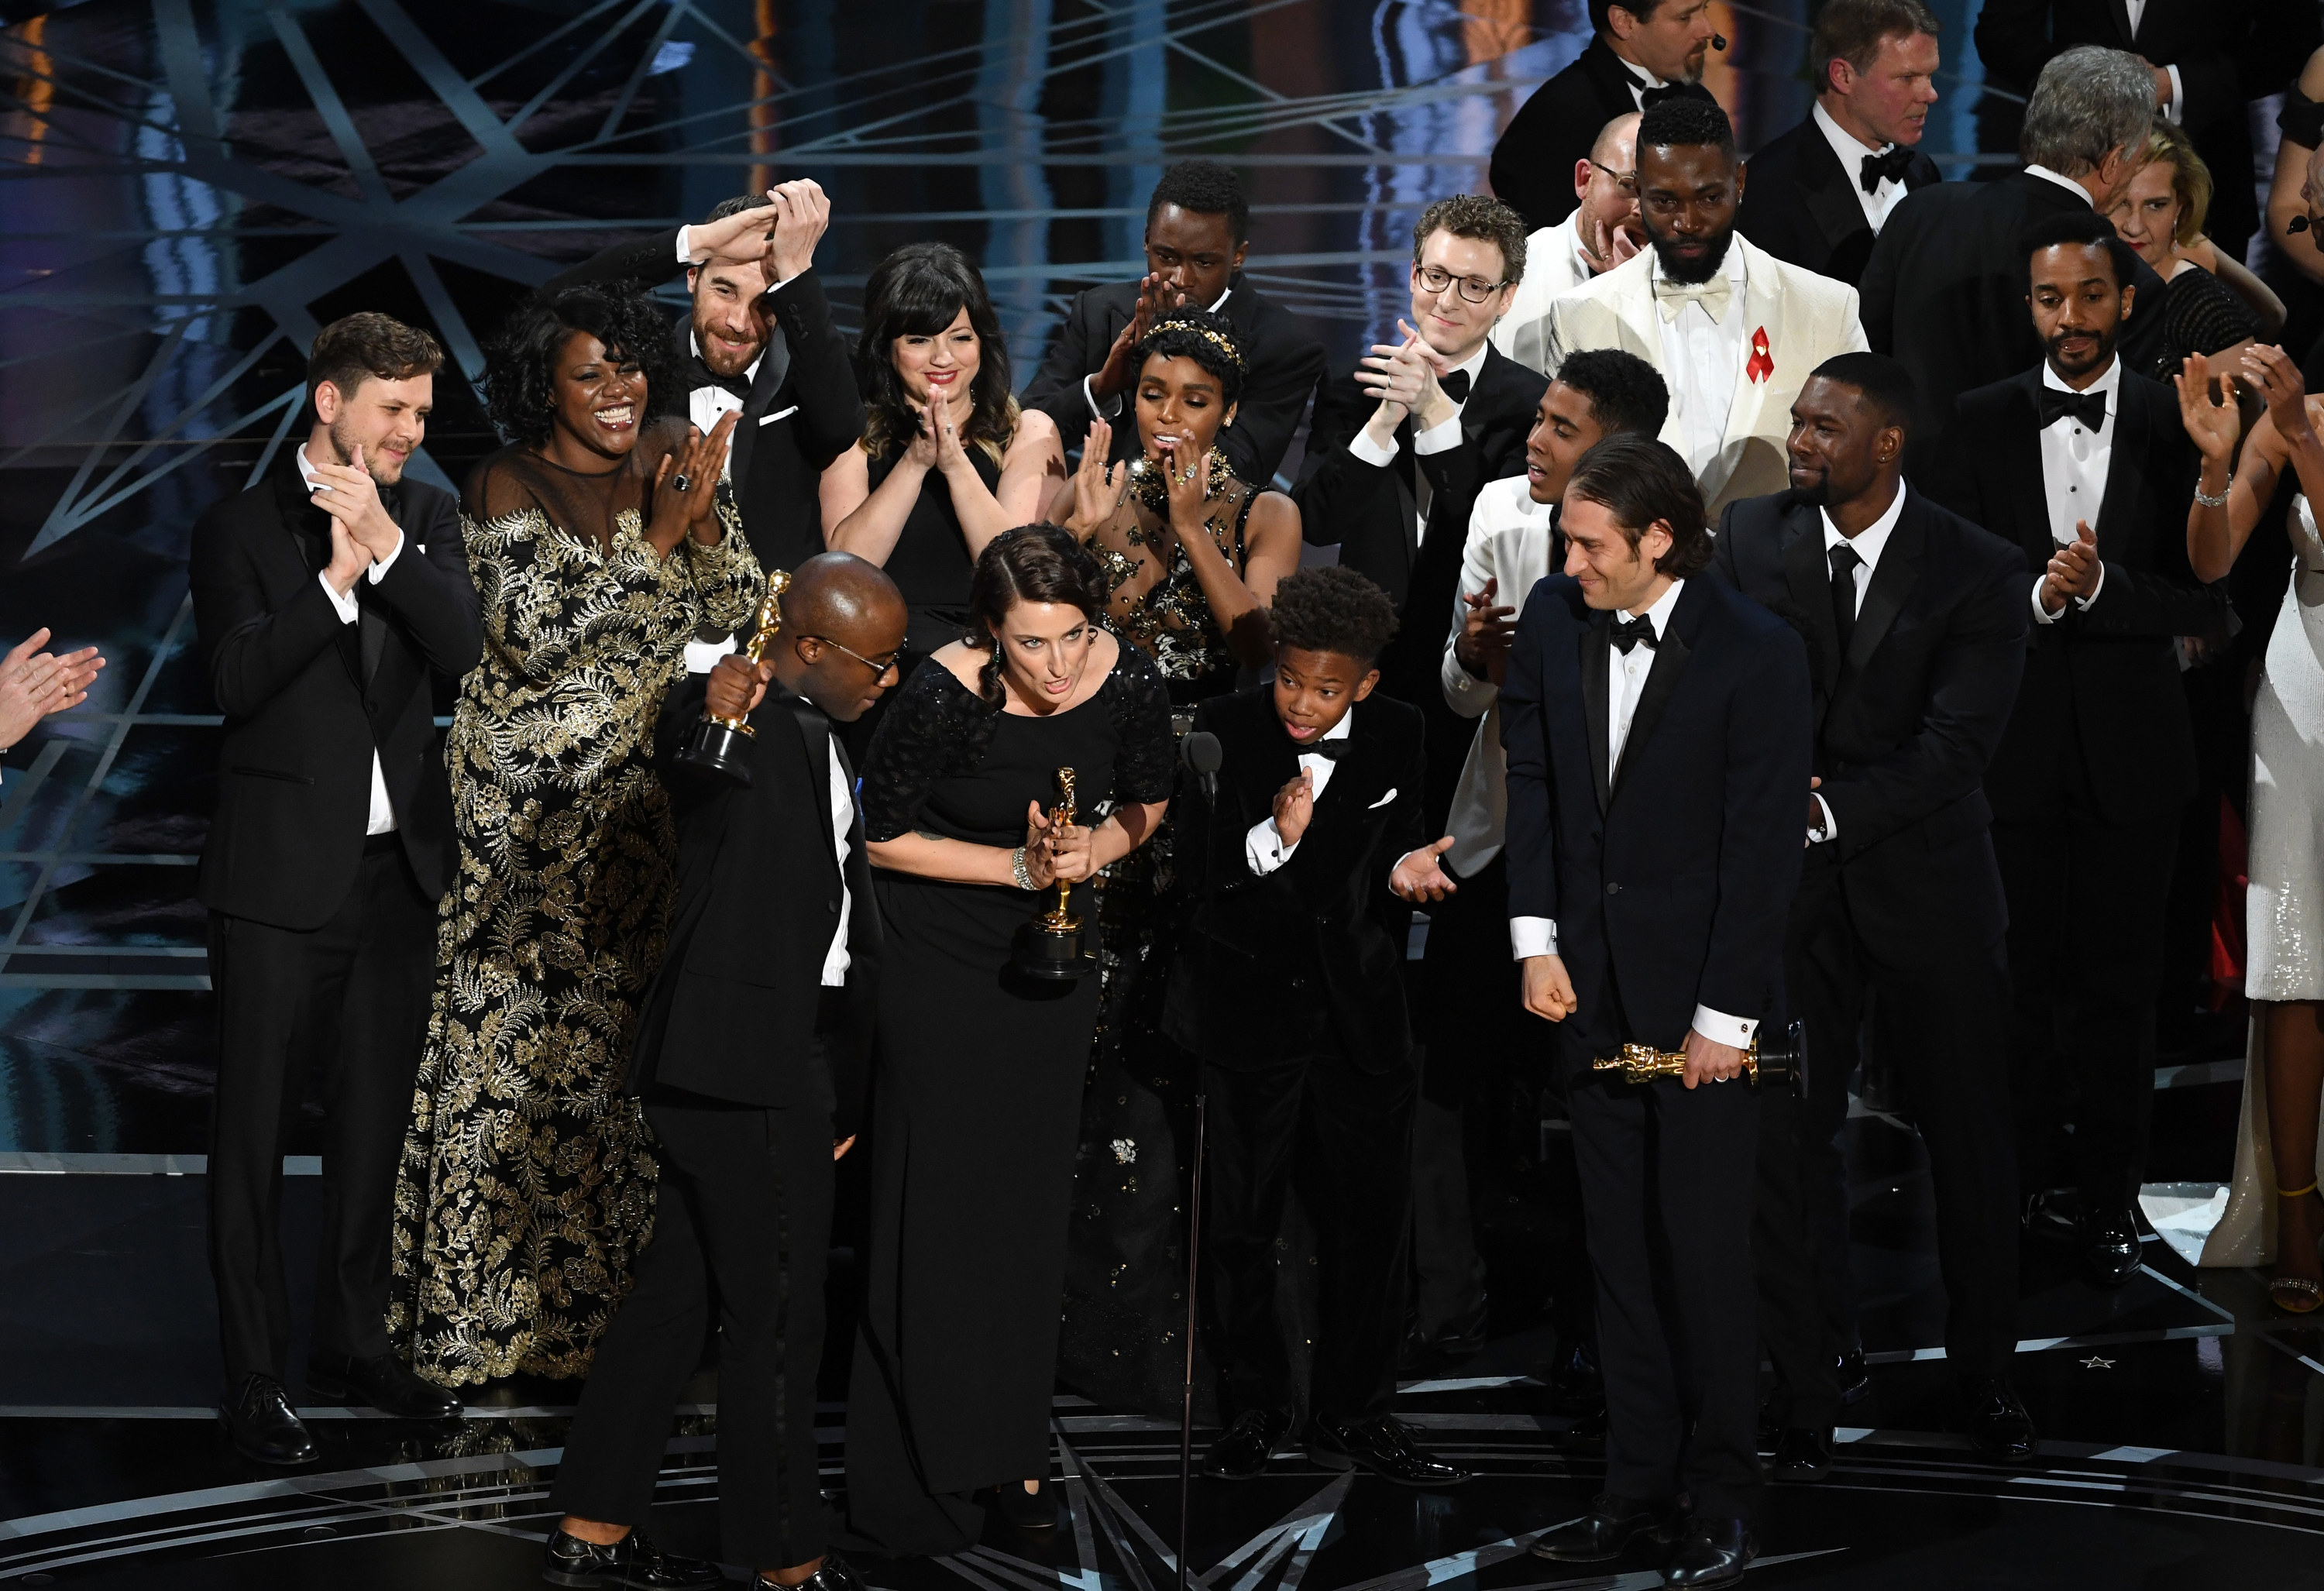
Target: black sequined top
(1172, 623)
(2200, 316)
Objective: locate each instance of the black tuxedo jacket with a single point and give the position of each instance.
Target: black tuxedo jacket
(2229, 53)
(1907, 719)
(2102, 685)
(1670, 882)
(1285, 361)
(1945, 291)
(1533, 163)
(1263, 960)
(1800, 204)
(307, 698)
(802, 410)
(731, 1013)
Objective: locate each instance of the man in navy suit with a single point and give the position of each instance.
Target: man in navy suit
(1659, 738)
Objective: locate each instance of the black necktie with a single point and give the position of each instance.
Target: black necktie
(2088, 408)
(700, 375)
(1627, 633)
(1845, 562)
(1650, 97)
(1891, 165)
(1455, 385)
(1329, 750)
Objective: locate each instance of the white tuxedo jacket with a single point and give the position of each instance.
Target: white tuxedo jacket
(1806, 318)
(1551, 270)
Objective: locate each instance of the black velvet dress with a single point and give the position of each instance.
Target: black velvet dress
(977, 1104)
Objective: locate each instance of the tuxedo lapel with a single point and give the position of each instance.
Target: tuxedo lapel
(1597, 669)
(1830, 188)
(2021, 441)
(1762, 310)
(1808, 575)
(815, 739)
(1662, 680)
(2119, 507)
(2120, 13)
(1893, 580)
(308, 530)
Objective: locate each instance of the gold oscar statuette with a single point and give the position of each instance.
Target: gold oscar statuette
(717, 744)
(1051, 946)
(1764, 1066)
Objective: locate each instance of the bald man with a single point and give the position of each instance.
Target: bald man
(1600, 234)
(750, 1053)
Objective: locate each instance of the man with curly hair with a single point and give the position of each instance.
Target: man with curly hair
(1286, 985)
(325, 599)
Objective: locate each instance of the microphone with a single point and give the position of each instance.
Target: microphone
(2297, 224)
(1719, 42)
(1202, 756)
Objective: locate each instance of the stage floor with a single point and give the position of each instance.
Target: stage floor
(2181, 1419)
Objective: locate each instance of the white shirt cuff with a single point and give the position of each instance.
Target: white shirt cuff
(379, 568)
(1720, 1028)
(1829, 829)
(2083, 604)
(1440, 438)
(2043, 615)
(685, 249)
(2176, 110)
(1264, 849)
(1371, 452)
(346, 605)
(1089, 397)
(1531, 937)
(702, 657)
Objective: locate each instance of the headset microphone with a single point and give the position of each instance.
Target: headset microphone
(2297, 224)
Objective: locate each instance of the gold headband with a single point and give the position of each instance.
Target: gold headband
(1225, 345)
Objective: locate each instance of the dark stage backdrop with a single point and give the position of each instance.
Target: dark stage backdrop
(190, 187)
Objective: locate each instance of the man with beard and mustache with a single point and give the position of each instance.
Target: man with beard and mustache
(1916, 636)
(1641, 54)
(1732, 330)
(2084, 467)
(759, 339)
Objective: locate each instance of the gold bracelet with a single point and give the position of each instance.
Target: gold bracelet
(2295, 1192)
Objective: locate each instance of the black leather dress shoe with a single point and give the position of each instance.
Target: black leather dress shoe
(385, 1382)
(1802, 1455)
(1995, 1422)
(1576, 1384)
(260, 1423)
(1611, 1525)
(1243, 1449)
(1711, 1553)
(1028, 1510)
(1855, 1377)
(2110, 1249)
(1383, 1445)
(2055, 1215)
(836, 1574)
(634, 1561)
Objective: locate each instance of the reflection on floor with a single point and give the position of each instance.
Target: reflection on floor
(2181, 1419)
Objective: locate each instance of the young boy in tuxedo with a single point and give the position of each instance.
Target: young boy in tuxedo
(1287, 986)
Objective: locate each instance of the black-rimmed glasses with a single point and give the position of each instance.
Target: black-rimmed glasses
(1436, 280)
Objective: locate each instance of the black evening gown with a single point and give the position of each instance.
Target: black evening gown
(977, 1106)
(930, 564)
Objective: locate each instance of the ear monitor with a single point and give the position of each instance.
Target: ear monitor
(1719, 42)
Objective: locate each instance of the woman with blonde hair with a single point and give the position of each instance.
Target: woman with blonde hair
(2210, 304)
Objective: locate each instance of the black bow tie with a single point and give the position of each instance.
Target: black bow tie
(1893, 165)
(1627, 633)
(2088, 408)
(1650, 97)
(1455, 385)
(1329, 750)
(700, 375)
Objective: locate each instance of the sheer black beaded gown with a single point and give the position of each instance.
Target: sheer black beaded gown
(977, 1105)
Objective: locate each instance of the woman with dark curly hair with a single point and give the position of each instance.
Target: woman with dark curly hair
(600, 539)
(947, 461)
(980, 1080)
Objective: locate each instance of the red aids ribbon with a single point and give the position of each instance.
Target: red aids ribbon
(1761, 365)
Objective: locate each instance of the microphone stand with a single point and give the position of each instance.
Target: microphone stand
(1207, 780)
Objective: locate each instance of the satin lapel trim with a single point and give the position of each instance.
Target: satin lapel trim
(1831, 192)
(2121, 14)
(1661, 681)
(2122, 468)
(2023, 439)
(297, 512)
(815, 739)
(1808, 573)
(1597, 669)
(1892, 582)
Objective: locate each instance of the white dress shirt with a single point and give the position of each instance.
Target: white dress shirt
(1263, 847)
(382, 820)
(1639, 80)
(1705, 359)
(1112, 410)
(1441, 437)
(706, 406)
(837, 960)
(1626, 682)
(1851, 150)
(1509, 540)
(2074, 462)
(2062, 181)
(1868, 544)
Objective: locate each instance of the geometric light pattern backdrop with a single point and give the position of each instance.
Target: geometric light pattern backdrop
(188, 191)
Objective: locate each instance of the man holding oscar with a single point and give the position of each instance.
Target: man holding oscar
(751, 1056)
(1658, 731)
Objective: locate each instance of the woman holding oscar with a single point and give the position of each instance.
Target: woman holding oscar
(980, 1068)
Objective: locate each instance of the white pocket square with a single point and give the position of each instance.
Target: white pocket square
(769, 419)
(1383, 801)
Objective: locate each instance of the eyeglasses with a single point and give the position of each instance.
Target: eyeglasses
(1437, 281)
(1627, 181)
(879, 666)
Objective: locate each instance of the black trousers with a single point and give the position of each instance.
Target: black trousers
(1923, 933)
(2087, 901)
(351, 999)
(1358, 1125)
(1666, 1176)
(741, 1224)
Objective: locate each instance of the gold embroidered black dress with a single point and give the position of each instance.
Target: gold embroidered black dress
(528, 1180)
